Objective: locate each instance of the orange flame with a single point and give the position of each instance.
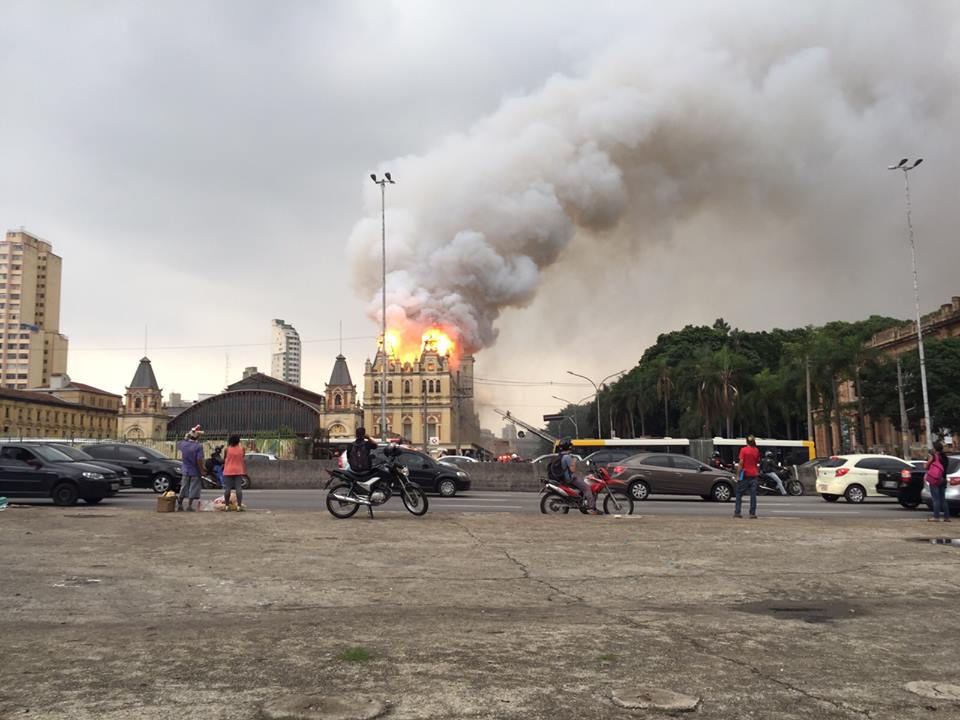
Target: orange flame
(408, 349)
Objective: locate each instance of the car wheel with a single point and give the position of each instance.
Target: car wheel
(721, 492)
(64, 494)
(639, 490)
(245, 483)
(909, 504)
(855, 494)
(447, 488)
(92, 500)
(161, 483)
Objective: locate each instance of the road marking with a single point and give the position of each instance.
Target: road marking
(819, 512)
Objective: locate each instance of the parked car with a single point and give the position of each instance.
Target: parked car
(603, 458)
(148, 468)
(649, 474)
(857, 477)
(953, 486)
(460, 461)
(43, 471)
(430, 475)
(77, 455)
(259, 456)
(899, 479)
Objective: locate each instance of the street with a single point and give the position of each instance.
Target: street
(484, 501)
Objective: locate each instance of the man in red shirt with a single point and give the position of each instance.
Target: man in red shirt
(749, 469)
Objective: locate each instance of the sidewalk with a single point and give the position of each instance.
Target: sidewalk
(112, 613)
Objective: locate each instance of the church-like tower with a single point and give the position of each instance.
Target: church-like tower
(342, 413)
(142, 416)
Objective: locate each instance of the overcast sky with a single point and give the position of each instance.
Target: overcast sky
(202, 167)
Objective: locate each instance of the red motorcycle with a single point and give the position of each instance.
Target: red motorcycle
(559, 498)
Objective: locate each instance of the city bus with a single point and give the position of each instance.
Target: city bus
(789, 452)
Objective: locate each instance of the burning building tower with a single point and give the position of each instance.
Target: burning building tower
(429, 393)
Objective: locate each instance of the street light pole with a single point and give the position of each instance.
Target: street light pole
(596, 388)
(906, 167)
(383, 278)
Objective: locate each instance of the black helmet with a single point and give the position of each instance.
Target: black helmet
(565, 444)
(716, 453)
(768, 453)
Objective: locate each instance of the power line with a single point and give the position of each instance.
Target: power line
(218, 346)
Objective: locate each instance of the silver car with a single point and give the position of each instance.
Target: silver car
(953, 486)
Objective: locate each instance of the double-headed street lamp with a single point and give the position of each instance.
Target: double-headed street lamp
(571, 418)
(906, 167)
(596, 388)
(383, 243)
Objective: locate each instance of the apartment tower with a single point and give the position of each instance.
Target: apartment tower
(32, 347)
(285, 363)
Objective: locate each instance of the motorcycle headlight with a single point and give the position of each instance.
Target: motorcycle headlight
(93, 476)
(404, 471)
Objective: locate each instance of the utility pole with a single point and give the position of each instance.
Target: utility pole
(904, 436)
(810, 434)
(383, 338)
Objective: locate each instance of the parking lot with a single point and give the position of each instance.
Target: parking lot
(118, 612)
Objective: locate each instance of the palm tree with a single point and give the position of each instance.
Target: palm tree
(664, 386)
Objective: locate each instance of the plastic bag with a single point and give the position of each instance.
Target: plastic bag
(206, 505)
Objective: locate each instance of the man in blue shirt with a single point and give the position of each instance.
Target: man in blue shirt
(191, 464)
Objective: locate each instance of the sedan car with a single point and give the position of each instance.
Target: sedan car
(673, 474)
(149, 468)
(857, 477)
(430, 475)
(43, 471)
(953, 486)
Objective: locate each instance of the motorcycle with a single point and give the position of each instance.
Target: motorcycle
(349, 490)
(791, 483)
(559, 498)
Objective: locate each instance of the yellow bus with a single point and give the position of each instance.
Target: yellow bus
(789, 452)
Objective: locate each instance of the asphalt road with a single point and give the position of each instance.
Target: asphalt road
(480, 501)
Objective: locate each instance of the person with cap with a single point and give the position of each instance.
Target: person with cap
(191, 467)
(749, 469)
(568, 464)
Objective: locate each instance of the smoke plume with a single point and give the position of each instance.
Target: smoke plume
(762, 118)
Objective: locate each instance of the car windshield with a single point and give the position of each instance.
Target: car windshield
(834, 462)
(51, 454)
(73, 453)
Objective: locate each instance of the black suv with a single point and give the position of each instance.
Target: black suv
(148, 467)
(44, 471)
(427, 473)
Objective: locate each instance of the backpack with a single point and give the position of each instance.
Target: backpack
(555, 469)
(935, 473)
(358, 456)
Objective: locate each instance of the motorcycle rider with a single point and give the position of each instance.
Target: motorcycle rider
(768, 468)
(358, 453)
(716, 460)
(568, 464)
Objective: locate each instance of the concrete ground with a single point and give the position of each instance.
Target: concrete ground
(119, 613)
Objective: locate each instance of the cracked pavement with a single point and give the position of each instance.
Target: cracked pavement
(129, 614)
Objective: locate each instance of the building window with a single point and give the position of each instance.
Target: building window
(406, 387)
(433, 427)
(408, 428)
(389, 387)
(137, 404)
(337, 400)
(376, 387)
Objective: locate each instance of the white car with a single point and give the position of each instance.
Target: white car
(457, 460)
(259, 456)
(953, 486)
(855, 477)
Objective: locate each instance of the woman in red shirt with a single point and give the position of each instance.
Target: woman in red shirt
(234, 468)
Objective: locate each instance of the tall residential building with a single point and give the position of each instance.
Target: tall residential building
(32, 347)
(285, 363)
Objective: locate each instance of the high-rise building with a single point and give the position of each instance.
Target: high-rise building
(31, 346)
(285, 363)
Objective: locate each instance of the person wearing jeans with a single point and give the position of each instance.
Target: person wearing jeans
(749, 469)
(938, 488)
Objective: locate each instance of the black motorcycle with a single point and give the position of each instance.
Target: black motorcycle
(792, 484)
(349, 490)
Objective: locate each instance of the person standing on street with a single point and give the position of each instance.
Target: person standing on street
(191, 467)
(936, 477)
(234, 468)
(749, 469)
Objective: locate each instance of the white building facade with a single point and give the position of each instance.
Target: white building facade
(285, 361)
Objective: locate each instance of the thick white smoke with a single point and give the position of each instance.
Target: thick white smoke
(709, 114)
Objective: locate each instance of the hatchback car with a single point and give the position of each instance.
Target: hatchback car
(43, 471)
(857, 477)
(953, 486)
(76, 455)
(430, 475)
(649, 474)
